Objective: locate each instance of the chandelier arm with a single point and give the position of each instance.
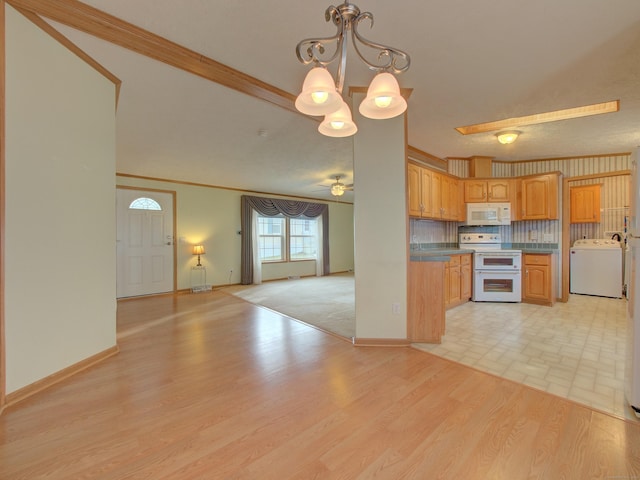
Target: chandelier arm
(393, 56)
(312, 50)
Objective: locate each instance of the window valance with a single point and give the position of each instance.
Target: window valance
(289, 208)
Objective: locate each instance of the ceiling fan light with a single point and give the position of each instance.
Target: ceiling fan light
(338, 123)
(337, 189)
(319, 95)
(508, 136)
(383, 98)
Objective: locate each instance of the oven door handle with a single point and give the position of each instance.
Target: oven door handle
(500, 272)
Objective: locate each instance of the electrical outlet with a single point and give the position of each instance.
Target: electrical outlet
(547, 237)
(533, 234)
(395, 308)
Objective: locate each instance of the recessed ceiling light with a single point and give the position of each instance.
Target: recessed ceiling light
(576, 112)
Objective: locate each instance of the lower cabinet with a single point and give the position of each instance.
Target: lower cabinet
(538, 285)
(425, 304)
(457, 280)
(433, 287)
(466, 277)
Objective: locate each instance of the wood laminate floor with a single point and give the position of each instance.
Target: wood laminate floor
(207, 386)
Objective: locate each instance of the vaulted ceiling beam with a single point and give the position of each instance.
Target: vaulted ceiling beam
(95, 22)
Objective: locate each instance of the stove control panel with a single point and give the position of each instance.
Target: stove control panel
(479, 238)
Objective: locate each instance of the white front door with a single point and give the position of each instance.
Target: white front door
(145, 243)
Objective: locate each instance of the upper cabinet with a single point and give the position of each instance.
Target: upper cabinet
(539, 197)
(420, 181)
(440, 196)
(433, 195)
(490, 190)
(414, 184)
(585, 204)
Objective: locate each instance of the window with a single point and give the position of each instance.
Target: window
(302, 239)
(144, 203)
(271, 238)
(287, 239)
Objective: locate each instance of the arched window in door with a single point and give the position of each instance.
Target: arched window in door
(144, 203)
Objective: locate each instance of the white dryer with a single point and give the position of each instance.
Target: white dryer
(596, 268)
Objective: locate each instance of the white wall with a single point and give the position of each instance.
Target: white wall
(60, 217)
(380, 227)
(211, 216)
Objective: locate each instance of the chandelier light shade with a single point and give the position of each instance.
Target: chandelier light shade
(383, 98)
(316, 97)
(319, 95)
(508, 137)
(338, 124)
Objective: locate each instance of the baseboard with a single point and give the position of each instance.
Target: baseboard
(36, 387)
(381, 342)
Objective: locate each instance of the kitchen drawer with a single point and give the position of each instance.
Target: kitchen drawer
(455, 261)
(465, 259)
(537, 259)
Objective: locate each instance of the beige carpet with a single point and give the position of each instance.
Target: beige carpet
(324, 302)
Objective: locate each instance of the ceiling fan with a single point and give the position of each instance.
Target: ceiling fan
(338, 188)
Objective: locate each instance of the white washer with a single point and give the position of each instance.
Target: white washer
(596, 268)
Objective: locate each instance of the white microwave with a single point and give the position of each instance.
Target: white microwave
(488, 214)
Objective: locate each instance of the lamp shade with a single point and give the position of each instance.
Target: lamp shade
(319, 95)
(508, 137)
(198, 250)
(383, 98)
(338, 123)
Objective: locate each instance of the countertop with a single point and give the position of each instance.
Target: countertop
(543, 251)
(443, 254)
(436, 254)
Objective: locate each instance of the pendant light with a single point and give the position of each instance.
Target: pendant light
(383, 98)
(319, 95)
(338, 123)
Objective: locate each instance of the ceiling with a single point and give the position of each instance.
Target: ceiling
(471, 62)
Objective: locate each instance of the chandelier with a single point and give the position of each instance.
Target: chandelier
(322, 95)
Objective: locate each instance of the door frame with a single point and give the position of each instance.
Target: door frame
(174, 227)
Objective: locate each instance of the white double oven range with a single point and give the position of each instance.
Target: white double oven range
(497, 272)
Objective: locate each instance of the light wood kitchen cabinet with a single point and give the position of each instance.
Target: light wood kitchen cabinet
(490, 190)
(420, 195)
(450, 198)
(538, 285)
(436, 195)
(415, 191)
(585, 203)
(425, 305)
(433, 195)
(466, 277)
(539, 197)
(457, 280)
(446, 198)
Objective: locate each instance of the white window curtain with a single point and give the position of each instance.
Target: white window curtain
(257, 260)
(319, 249)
